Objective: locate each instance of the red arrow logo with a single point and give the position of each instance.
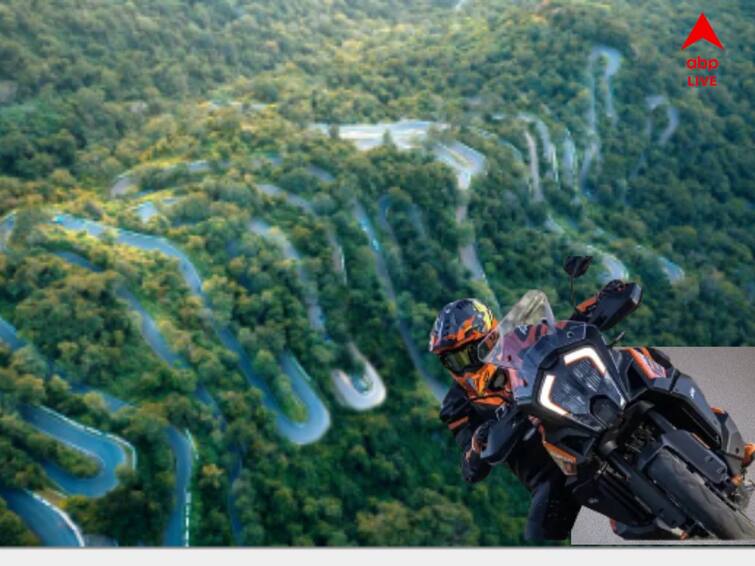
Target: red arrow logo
(702, 30)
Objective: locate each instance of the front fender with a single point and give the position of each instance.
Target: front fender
(687, 447)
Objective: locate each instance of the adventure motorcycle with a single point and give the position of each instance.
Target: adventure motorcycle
(635, 437)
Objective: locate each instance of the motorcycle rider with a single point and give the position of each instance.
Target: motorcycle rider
(480, 389)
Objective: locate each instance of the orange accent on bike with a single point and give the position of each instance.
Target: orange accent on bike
(457, 423)
(749, 453)
(587, 303)
(737, 480)
(640, 361)
(644, 364)
(565, 460)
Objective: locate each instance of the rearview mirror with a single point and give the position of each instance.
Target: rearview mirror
(577, 265)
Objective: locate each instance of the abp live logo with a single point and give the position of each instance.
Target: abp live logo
(702, 30)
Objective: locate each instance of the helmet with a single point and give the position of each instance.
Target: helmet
(457, 330)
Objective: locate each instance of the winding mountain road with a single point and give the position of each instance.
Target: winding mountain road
(51, 524)
(613, 267)
(549, 153)
(6, 228)
(569, 163)
(537, 191)
(125, 181)
(177, 532)
(464, 161)
(318, 417)
(305, 206)
(358, 392)
(110, 452)
(613, 64)
(90, 442)
(672, 118)
(438, 390)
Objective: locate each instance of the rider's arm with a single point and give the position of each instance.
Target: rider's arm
(457, 414)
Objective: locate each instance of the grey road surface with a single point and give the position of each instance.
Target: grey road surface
(727, 378)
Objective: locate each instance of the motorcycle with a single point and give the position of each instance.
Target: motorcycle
(634, 436)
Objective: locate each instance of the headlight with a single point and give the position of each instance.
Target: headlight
(583, 376)
(545, 396)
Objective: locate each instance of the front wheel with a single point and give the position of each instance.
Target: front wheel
(674, 477)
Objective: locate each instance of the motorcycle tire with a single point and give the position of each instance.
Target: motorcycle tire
(673, 476)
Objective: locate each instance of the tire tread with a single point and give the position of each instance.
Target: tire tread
(676, 479)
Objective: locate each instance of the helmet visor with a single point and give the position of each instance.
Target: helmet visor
(462, 360)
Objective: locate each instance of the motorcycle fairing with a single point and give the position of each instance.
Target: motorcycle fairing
(647, 364)
(695, 405)
(525, 349)
(677, 392)
(601, 489)
(605, 444)
(586, 390)
(637, 379)
(732, 443)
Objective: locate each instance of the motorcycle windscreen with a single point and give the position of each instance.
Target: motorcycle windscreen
(501, 346)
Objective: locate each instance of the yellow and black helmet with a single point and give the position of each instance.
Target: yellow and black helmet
(460, 323)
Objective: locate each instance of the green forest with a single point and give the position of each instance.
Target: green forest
(176, 127)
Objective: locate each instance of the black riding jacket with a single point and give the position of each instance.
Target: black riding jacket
(529, 461)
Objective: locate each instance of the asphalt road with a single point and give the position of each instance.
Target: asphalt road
(49, 523)
(727, 378)
(106, 450)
